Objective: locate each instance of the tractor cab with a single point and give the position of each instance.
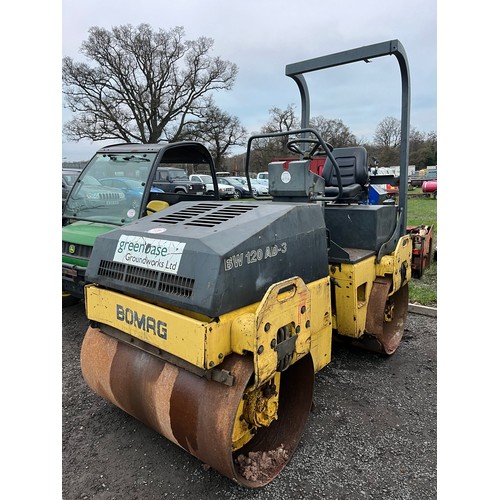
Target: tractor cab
(121, 184)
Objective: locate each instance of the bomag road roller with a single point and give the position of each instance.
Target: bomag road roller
(208, 320)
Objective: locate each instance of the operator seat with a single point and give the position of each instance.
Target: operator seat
(353, 164)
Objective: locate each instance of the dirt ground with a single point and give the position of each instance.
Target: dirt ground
(371, 435)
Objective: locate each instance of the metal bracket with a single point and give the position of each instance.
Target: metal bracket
(221, 376)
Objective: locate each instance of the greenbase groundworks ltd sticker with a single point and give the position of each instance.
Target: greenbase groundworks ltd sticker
(160, 255)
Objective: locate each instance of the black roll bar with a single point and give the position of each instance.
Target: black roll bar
(392, 47)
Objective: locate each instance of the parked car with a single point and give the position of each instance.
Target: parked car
(132, 188)
(69, 177)
(225, 192)
(258, 188)
(264, 182)
(240, 190)
(176, 180)
(262, 178)
(89, 195)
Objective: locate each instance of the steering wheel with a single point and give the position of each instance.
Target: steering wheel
(316, 149)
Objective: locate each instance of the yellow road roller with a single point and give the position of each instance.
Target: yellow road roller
(209, 319)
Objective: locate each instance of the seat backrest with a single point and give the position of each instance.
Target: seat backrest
(353, 164)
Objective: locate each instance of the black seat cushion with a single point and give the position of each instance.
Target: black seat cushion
(353, 164)
(348, 192)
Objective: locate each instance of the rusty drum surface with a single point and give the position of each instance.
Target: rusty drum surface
(195, 413)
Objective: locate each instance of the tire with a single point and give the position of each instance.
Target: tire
(69, 300)
(238, 194)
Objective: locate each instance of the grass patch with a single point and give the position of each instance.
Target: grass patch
(423, 291)
(423, 210)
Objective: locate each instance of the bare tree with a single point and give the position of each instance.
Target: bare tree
(265, 149)
(281, 120)
(219, 129)
(388, 133)
(334, 131)
(144, 86)
(386, 142)
(423, 149)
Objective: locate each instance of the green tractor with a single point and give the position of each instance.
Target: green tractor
(121, 184)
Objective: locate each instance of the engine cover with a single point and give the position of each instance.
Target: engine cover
(212, 257)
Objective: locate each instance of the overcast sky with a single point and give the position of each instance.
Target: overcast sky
(262, 36)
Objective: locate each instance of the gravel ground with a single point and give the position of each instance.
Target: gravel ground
(371, 435)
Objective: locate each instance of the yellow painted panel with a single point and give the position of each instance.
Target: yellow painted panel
(205, 343)
(172, 332)
(398, 261)
(351, 296)
(321, 323)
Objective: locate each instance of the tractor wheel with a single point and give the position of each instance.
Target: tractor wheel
(69, 300)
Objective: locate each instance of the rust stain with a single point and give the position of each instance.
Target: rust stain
(131, 374)
(186, 396)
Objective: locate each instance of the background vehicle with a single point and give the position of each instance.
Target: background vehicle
(171, 179)
(263, 182)
(132, 188)
(240, 190)
(91, 194)
(258, 188)
(418, 179)
(69, 177)
(226, 310)
(225, 191)
(94, 207)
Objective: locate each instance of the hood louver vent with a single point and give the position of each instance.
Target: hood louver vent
(206, 214)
